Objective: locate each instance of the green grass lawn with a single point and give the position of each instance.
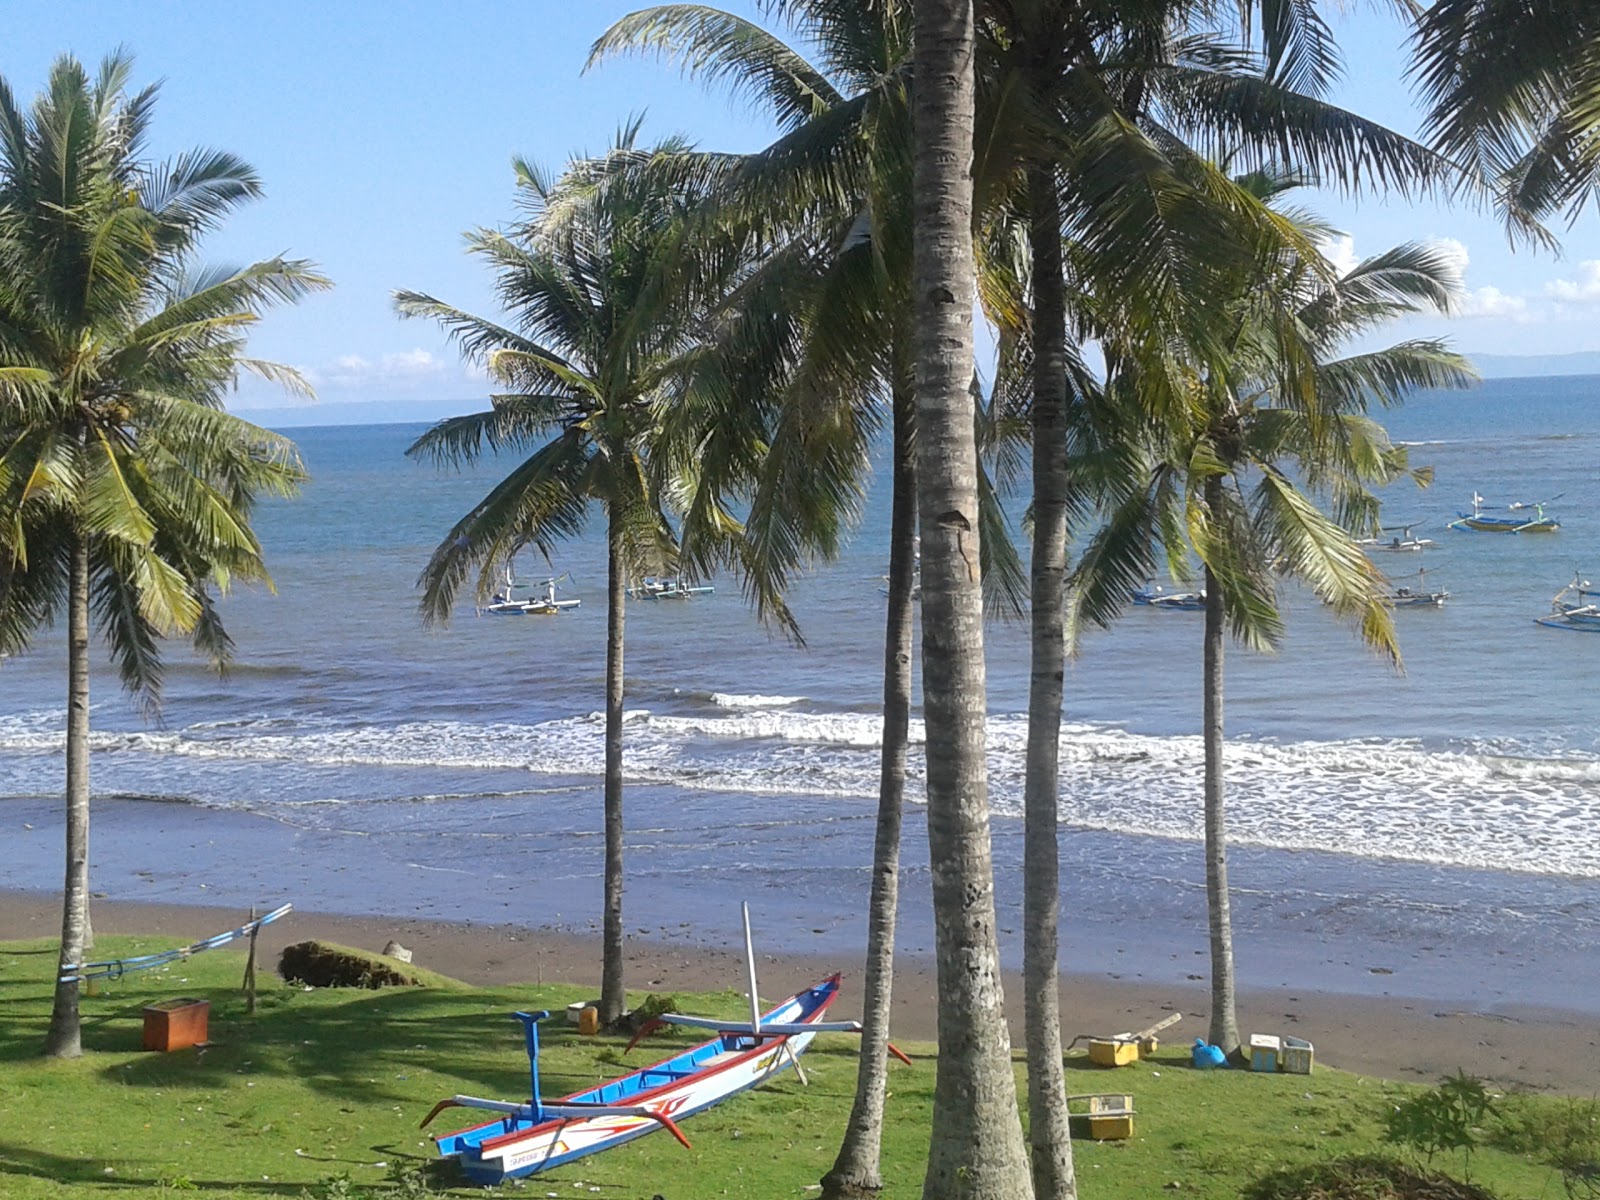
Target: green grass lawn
(331, 1083)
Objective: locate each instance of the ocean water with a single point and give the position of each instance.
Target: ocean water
(1434, 832)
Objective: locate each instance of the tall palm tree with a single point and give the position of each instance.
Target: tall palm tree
(1084, 108)
(125, 489)
(608, 307)
(977, 1149)
(1272, 425)
(1513, 90)
(838, 180)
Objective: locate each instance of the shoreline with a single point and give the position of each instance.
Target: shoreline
(1392, 1037)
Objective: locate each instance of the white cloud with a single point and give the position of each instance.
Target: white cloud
(1584, 289)
(1491, 302)
(1454, 250)
(405, 368)
(1340, 250)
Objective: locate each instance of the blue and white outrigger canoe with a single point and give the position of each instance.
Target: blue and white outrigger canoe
(541, 1134)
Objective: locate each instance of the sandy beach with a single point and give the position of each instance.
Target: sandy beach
(1390, 1037)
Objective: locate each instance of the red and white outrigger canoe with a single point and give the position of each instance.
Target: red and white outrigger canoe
(535, 1136)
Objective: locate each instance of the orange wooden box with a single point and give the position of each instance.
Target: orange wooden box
(176, 1024)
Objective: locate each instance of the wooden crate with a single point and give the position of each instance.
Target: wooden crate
(176, 1024)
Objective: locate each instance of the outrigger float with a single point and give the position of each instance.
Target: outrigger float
(532, 1136)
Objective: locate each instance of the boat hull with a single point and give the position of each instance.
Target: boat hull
(513, 1146)
(1567, 623)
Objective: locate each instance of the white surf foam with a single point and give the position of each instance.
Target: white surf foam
(1499, 806)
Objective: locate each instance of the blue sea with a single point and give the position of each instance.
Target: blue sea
(1432, 832)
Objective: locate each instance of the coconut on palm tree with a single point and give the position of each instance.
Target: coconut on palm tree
(1273, 427)
(599, 354)
(125, 489)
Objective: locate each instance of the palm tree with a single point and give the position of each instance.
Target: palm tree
(838, 180)
(1513, 91)
(125, 490)
(608, 311)
(1272, 423)
(977, 1148)
(1084, 107)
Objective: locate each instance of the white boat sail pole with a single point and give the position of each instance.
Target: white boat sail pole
(750, 964)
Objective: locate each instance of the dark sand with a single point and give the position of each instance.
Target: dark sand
(1389, 1037)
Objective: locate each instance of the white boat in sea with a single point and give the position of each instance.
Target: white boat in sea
(1156, 596)
(506, 603)
(664, 587)
(1402, 544)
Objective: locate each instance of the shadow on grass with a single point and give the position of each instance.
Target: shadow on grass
(40, 1164)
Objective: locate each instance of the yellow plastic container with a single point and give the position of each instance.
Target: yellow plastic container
(1109, 1117)
(1112, 1052)
(589, 1020)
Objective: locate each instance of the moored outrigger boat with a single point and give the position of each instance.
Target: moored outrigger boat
(1419, 596)
(1156, 596)
(1519, 522)
(1403, 543)
(506, 604)
(658, 587)
(1575, 607)
(527, 1137)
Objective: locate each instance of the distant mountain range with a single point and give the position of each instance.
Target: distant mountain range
(1520, 366)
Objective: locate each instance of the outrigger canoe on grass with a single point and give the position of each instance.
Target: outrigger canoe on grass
(539, 1135)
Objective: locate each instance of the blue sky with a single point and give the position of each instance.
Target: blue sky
(383, 130)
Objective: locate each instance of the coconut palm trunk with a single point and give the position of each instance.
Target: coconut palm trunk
(62, 1039)
(977, 1150)
(855, 1171)
(613, 999)
(1050, 1145)
(1224, 1020)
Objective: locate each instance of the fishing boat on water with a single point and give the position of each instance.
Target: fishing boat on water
(1403, 543)
(1420, 596)
(655, 587)
(1523, 518)
(1157, 596)
(1575, 607)
(534, 1135)
(506, 603)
